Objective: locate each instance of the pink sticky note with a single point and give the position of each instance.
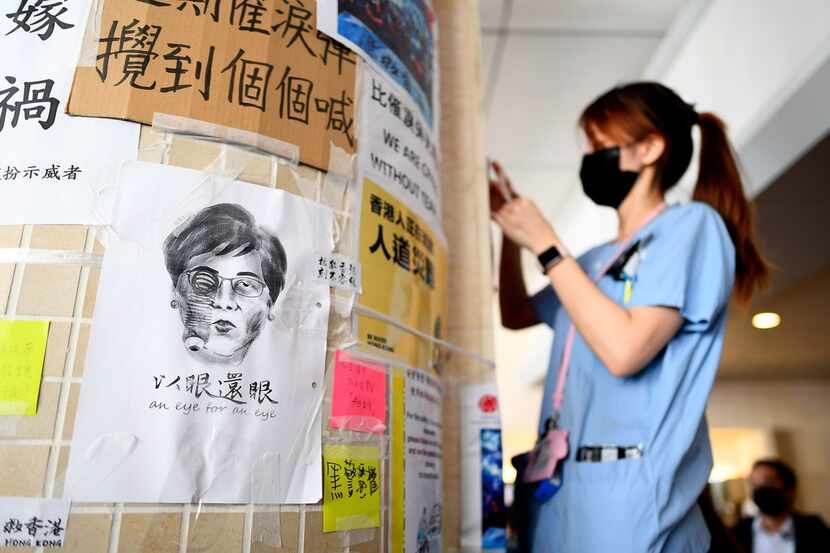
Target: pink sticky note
(359, 397)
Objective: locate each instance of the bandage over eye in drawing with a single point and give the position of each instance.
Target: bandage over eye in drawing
(208, 282)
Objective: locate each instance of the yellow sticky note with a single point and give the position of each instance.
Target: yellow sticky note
(351, 487)
(22, 349)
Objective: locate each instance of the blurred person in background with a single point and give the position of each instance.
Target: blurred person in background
(778, 528)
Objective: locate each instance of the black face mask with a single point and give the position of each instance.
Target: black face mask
(770, 500)
(602, 179)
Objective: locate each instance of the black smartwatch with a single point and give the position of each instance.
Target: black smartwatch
(549, 258)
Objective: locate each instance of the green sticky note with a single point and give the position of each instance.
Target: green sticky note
(22, 349)
(351, 487)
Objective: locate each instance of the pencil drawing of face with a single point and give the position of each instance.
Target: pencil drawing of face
(227, 272)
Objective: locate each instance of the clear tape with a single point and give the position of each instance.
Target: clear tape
(443, 343)
(104, 456)
(186, 126)
(88, 55)
(51, 257)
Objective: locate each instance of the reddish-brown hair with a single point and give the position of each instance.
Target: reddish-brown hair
(634, 111)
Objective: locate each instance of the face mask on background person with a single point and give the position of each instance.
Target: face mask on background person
(602, 179)
(770, 500)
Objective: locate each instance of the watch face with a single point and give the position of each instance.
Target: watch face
(548, 258)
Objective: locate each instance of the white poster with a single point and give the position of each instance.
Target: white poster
(54, 169)
(483, 514)
(397, 150)
(423, 467)
(205, 366)
(398, 37)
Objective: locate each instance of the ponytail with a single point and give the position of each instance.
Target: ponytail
(719, 185)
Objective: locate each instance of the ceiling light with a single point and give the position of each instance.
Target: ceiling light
(766, 320)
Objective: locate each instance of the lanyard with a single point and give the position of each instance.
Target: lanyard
(558, 395)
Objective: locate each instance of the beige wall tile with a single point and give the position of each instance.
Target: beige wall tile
(71, 411)
(10, 236)
(316, 540)
(80, 351)
(49, 290)
(87, 533)
(22, 470)
(289, 528)
(91, 291)
(58, 237)
(42, 425)
(149, 533)
(57, 345)
(368, 547)
(6, 276)
(215, 533)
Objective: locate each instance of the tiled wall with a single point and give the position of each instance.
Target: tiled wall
(34, 450)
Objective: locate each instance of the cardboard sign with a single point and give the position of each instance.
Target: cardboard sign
(359, 396)
(351, 498)
(255, 66)
(22, 348)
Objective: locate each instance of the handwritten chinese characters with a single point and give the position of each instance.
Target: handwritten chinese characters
(351, 487)
(22, 350)
(359, 395)
(338, 271)
(255, 65)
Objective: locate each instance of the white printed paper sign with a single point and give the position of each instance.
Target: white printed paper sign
(33, 522)
(397, 149)
(424, 529)
(54, 168)
(205, 367)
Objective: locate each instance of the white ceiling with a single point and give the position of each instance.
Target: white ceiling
(542, 62)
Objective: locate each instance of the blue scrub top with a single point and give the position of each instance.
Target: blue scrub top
(686, 261)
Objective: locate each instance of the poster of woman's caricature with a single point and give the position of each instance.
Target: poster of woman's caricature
(207, 349)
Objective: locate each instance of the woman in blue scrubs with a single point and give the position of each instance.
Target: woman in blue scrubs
(646, 314)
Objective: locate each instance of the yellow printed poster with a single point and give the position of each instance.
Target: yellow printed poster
(22, 348)
(351, 494)
(404, 266)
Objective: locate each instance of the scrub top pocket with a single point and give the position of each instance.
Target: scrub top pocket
(615, 505)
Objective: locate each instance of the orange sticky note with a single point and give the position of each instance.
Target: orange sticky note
(22, 349)
(359, 395)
